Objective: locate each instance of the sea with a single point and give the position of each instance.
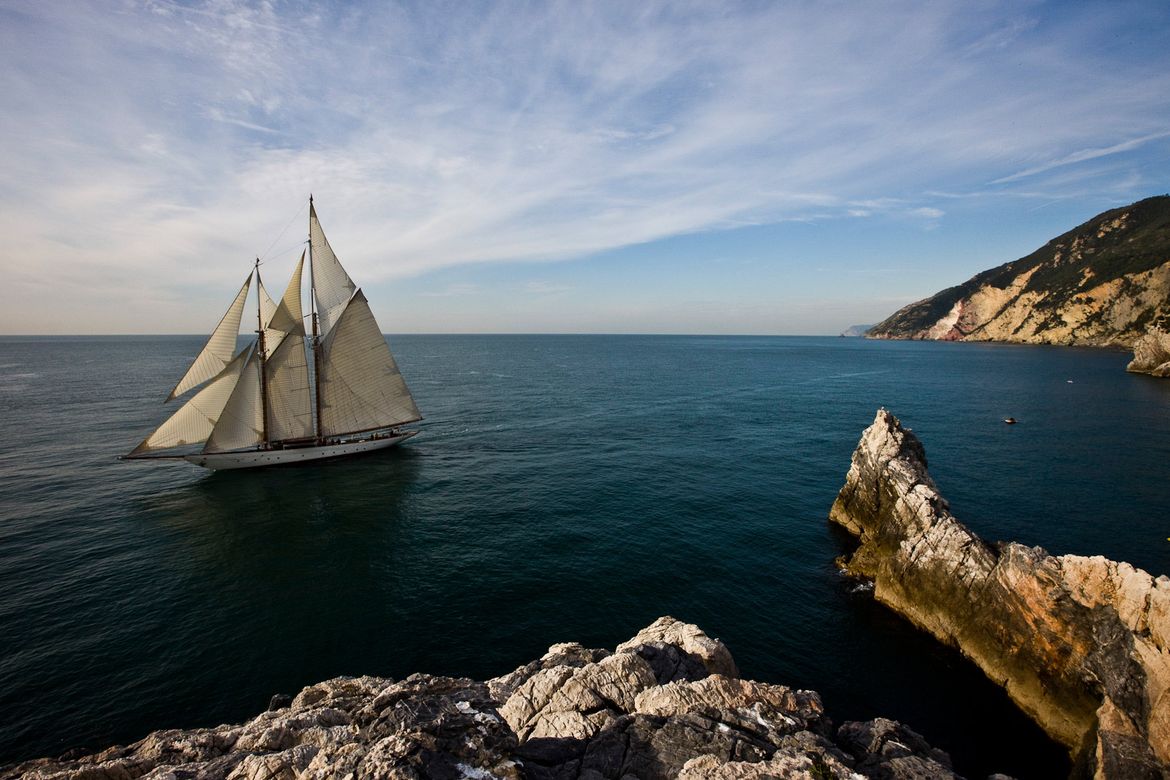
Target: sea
(561, 488)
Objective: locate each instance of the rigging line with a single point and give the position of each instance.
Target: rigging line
(280, 235)
(287, 249)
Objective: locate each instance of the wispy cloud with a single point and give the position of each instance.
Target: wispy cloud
(160, 144)
(1083, 155)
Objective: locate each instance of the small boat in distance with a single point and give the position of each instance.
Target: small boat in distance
(276, 401)
(1010, 420)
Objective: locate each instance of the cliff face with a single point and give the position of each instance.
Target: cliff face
(1103, 283)
(1151, 354)
(1081, 644)
(667, 703)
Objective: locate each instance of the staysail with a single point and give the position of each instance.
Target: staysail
(218, 350)
(360, 385)
(194, 420)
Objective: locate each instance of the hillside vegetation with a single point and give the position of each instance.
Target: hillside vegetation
(1104, 283)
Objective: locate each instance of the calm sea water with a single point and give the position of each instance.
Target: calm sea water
(563, 488)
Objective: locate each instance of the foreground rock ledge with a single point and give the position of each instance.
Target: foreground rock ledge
(667, 703)
(1079, 643)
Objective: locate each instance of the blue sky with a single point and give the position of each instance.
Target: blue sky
(708, 167)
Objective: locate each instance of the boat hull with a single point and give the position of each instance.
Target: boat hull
(250, 459)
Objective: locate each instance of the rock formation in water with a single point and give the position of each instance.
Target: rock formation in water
(1081, 644)
(1102, 284)
(1151, 354)
(667, 703)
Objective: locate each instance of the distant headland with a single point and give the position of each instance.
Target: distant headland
(1105, 283)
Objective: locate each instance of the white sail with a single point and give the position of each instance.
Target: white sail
(360, 386)
(218, 350)
(286, 370)
(267, 305)
(194, 420)
(331, 284)
(290, 405)
(241, 423)
(285, 317)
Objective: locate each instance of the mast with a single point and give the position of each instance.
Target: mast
(261, 355)
(316, 336)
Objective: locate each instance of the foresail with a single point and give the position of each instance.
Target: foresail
(361, 387)
(331, 284)
(194, 420)
(219, 349)
(241, 423)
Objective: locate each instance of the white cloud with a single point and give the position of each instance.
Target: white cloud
(1083, 155)
(159, 145)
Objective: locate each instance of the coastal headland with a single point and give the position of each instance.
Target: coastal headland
(1081, 644)
(1105, 283)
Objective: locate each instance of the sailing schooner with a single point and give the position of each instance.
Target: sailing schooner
(269, 403)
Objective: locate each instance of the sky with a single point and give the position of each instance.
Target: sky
(599, 167)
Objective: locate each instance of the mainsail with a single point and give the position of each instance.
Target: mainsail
(218, 350)
(261, 399)
(290, 405)
(360, 386)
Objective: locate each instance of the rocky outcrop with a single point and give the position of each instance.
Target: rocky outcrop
(1103, 283)
(1151, 354)
(1081, 644)
(667, 703)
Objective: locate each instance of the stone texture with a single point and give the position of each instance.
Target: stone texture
(667, 703)
(1151, 354)
(1080, 644)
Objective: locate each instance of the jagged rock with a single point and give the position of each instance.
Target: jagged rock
(564, 654)
(690, 639)
(1079, 643)
(1151, 354)
(665, 704)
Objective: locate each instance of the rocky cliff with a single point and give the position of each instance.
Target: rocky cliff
(667, 703)
(1151, 354)
(1103, 283)
(1081, 644)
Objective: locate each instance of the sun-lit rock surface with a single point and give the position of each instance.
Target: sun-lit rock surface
(1080, 644)
(667, 703)
(1103, 283)
(1151, 354)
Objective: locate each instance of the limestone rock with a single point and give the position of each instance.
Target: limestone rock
(1151, 353)
(665, 704)
(1079, 643)
(690, 639)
